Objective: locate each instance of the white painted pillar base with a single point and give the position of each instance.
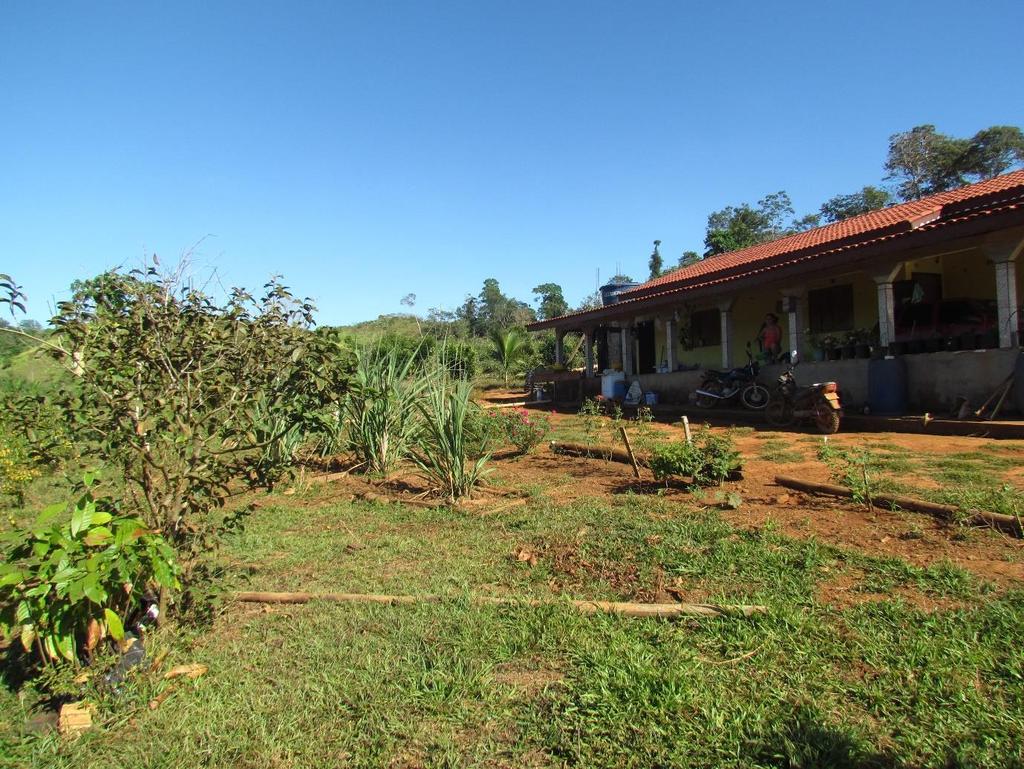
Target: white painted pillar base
(725, 314)
(588, 352)
(627, 349)
(886, 314)
(886, 304)
(795, 320)
(671, 344)
(1006, 303)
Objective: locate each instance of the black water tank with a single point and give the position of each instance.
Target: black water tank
(887, 386)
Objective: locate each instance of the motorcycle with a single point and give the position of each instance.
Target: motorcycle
(818, 402)
(721, 387)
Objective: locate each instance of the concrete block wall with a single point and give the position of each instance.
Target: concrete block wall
(934, 380)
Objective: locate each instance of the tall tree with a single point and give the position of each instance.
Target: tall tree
(844, 206)
(688, 257)
(736, 227)
(994, 151)
(655, 264)
(498, 311)
(923, 161)
(551, 301)
(590, 302)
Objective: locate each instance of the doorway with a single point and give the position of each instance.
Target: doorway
(646, 358)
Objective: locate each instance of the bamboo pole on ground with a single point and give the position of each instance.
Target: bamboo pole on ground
(666, 610)
(629, 450)
(999, 403)
(595, 452)
(1006, 523)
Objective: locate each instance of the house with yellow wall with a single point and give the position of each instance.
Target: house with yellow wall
(932, 282)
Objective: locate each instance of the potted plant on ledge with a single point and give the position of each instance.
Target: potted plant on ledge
(816, 343)
(863, 339)
(832, 346)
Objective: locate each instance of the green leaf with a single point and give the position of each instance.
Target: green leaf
(97, 536)
(28, 635)
(12, 577)
(64, 575)
(48, 514)
(114, 625)
(81, 517)
(98, 519)
(65, 645)
(94, 592)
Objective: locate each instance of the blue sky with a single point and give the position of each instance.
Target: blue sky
(368, 150)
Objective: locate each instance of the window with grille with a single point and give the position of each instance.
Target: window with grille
(830, 309)
(705, 328)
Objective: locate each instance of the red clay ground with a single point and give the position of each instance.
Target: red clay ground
(917, 538)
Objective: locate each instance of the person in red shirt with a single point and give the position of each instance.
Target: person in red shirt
(771, 338)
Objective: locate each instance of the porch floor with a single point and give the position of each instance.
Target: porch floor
(1008, 429)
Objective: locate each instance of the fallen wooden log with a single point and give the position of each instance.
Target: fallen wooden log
(597, 452)
(370, 496)
(586, 607)
(1005, 523)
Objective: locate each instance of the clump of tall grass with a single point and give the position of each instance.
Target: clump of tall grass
(446, 449)
(380, 409)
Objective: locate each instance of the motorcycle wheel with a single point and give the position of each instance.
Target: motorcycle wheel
(779, 413)
(755, 397)
(706, 401)
(826, 418)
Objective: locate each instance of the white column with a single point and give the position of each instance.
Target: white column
(559, 347)
(1006, 302)
(725, 313)
(886, 304)
(627, 349)
(886, 314)
(671, 344)
(588, 352)
(795, 319)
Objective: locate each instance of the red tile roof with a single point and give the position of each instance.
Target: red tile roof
(925, 214)
(866, 226)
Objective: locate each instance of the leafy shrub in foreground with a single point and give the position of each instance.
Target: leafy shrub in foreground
(64, 587)
(444, 444)
(707, 461)
(169, 387)
(380, 408)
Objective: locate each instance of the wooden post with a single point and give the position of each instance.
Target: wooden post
(686, 428)
(629, 450)
(999, 403)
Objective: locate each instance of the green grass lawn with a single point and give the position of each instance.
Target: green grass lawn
(880, 683)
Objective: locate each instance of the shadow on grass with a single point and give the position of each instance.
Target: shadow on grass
(806, 741)
(15, 667)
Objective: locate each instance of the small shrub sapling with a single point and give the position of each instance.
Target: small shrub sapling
(66, 586)
(707, 461)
